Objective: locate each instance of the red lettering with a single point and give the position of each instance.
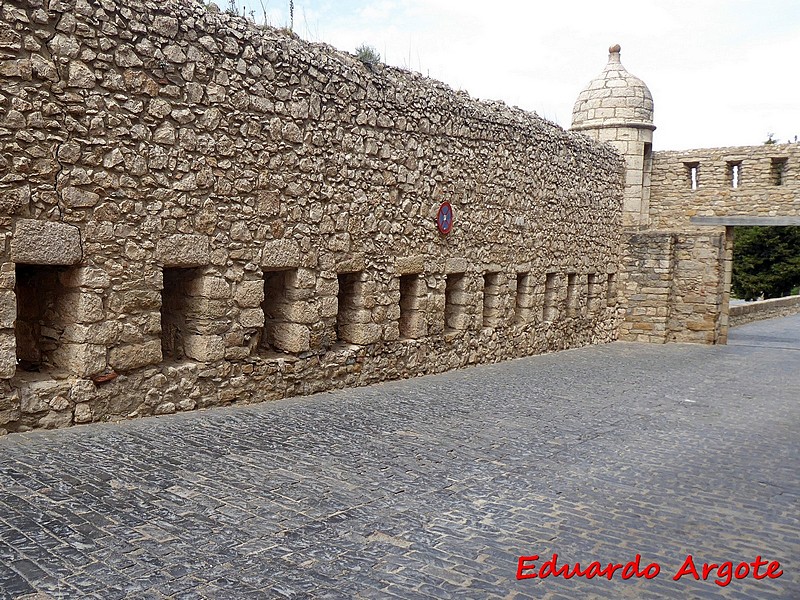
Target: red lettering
(686, 568)
(756, 564)
(550, 567)
(707, 568)
(651, 567)
(725, 571)
(611, 569)
(576, 570)
(594, 570)
(737, 573)
(771, 570)
(626, 573)
(522, 566)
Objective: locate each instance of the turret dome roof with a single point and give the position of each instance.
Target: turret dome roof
(615, 98)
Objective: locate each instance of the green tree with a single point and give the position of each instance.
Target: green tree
(766, 260)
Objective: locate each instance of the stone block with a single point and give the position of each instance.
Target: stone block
(82, 390)
(252, 317)
(455, 265)
(290, 337)
(82, 413)
(45, 243)
(75, 197)
(204, 308)
(81, 360)
(8, 354)
(134, 301)
(280, 254)
(208, 287)
(298, 312)
(357, 315)
(458, 321)
(352, 264)
(80, 307)
(183, 250)
(134, 356)
(204, 348)
(461, 298)
(103, 333)
(8, 309)
(410, 265)
(360, 333)
(328, 307)
(249, 294)
(412, 326)
(14, 199)
(91, 277)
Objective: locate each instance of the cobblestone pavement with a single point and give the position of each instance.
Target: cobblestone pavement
(432, 487)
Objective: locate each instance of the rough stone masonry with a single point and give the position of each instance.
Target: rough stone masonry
(196, 211)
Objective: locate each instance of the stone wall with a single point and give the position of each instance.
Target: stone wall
(767, 184)
(673, 284)
(751, 181)
(741, 314)
(195, 211)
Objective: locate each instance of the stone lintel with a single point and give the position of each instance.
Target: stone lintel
(45, 243)
(183, 250)
(739, 220)
(280, 254)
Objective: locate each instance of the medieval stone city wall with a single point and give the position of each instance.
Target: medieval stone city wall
(195, 211)
(767, 181)
(746, 181)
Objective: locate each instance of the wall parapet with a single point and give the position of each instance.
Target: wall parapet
(754, 181)
(740, 314)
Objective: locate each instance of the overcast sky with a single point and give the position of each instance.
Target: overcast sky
(722, 72)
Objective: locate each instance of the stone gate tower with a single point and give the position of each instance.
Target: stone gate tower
(617, 107)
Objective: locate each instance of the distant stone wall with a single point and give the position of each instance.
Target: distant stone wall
(764, 309)
(195, 211)
(767, 178)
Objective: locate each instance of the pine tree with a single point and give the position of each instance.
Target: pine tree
(766, 260)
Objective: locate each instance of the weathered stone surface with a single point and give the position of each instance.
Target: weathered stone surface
(290, 337)
(80, 75)
(80, 359)
(8, 354)
(45, 243)
(78, 198)
(82, 414)
(183, 251)
(133, 356)
(409, 265)
(205, 348)
(280, 254)
(12, 200)
(8, 309)
(249, 294)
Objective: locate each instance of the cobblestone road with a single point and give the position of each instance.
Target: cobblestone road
(430, 488)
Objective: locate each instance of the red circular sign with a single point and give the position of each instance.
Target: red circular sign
(444, 218)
